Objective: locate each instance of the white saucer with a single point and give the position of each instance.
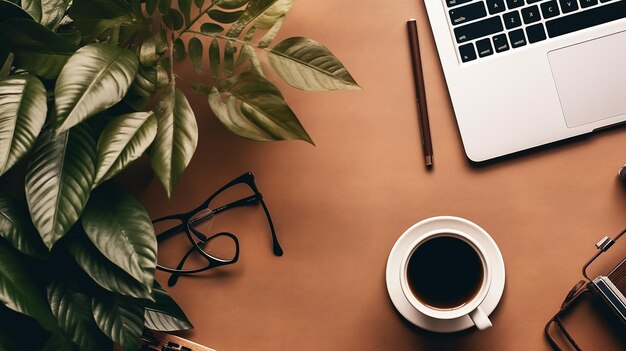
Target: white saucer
(493, 257)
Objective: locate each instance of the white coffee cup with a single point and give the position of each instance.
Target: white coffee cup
(469, 308)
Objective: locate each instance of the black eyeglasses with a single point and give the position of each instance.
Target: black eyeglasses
(200, 250)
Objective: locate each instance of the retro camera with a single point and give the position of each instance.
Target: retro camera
(609, 287)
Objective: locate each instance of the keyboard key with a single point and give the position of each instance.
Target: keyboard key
(484, 47)
(467, 52)
(501, 43)
(467, 13)
(517, 38)
(512, 19)
(514, 3)
(535, 33)
(531, 14)
(568, 5)
(550, 9)
(495, 6)
(585, 19)
(587, 3)
(532, 1)
(478, 29)
(456, 2)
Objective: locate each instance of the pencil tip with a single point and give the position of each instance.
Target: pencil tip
(411, 20)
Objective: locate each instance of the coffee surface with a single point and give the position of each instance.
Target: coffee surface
(445, 272)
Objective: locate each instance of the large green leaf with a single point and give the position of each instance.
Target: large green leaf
(120, 319)
(22, 115)
(95, 78)
(36, 48)
(72, 310)
(255, 109)
(18, 290)
(102, 271)
(308, 65)
(225, 17)
(270, 16)
(152, 48)
(123, 140)
(176, 139)
(121, 229)
(58, 342)
(47, 12)
(9, 9)
(164, 314)
(254, 9)
(59, 180)
(17, 229)
(95, 17)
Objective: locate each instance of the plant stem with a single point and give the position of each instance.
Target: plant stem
(195, 19)
(219, 36)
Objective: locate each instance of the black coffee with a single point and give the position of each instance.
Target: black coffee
(445, 272)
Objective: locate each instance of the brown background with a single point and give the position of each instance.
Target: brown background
(340, 206)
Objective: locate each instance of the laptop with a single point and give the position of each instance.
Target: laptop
(524, 73)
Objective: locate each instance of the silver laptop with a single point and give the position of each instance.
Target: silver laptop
(523, 73)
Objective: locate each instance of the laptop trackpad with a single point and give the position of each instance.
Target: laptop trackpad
(590, 78)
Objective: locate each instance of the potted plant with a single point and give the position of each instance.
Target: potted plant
(86, 88)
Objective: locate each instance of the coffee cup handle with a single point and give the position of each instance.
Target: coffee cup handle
(480, 319)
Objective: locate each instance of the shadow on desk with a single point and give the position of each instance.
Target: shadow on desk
(459, 341)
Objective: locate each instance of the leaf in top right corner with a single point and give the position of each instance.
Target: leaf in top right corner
(308, 65)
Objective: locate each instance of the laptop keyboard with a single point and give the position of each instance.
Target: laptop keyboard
(485, 27)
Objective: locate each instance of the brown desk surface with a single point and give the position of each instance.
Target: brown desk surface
(340, 206)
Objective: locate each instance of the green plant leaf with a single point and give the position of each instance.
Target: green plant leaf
(173, 19)
(36, 48)
(120, 319)
(164, 6)
(254, 9)
(59, 180)
(123, 140)
(179, 50)
(17, 229)
(225, 17)
(270, 16)
(102, 271)
(271, 34)
(96, 17)
(18, 290)
(199, 3)
(23, 109)
(7, 65)
(164, 314)
(176, 140)
(95, 78)
(121, 229)
(47, 12)
(308, 65)
(214, 58)
(151, 6)
(58, 342)
(9, 10)
(229, 58)
(185, 7)
(72, 310)
(152, 48)
(195, 53)
(255, 109)
(231, 4)
(211, 28)
(248, 53)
